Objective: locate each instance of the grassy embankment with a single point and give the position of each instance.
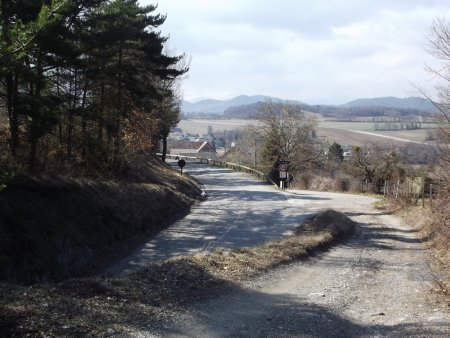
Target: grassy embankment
(434, 221)
(52, 228)
(149, 296)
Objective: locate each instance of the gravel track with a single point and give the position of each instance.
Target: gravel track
(377, 285)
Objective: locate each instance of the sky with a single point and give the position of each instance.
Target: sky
(315, 51)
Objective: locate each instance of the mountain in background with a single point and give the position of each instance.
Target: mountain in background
(393, 102)
(210, 106)
(244, 106)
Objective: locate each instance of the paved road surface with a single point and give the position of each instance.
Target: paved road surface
(240, 211)
(375, 285)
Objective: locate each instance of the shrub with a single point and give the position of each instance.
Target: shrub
(342, 184)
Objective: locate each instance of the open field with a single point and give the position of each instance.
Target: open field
(336, 131)
(414, 135)
(360, 126)
(417, 135)
(345, 137)
(199, 126)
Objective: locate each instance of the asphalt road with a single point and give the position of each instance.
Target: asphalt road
(240, 211)
(378, 284)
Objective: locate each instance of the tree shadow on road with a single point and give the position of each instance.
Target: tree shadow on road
(249, 313)
(378, 235)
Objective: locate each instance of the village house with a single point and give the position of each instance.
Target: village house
(203, 149)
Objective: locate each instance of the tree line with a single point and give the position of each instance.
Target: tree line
(371, 113)
(389, 126)
(85, 85)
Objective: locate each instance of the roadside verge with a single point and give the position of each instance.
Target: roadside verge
(54, 227)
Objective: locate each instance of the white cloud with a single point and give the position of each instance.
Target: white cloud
(322, 51)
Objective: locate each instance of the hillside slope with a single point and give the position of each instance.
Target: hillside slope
(56, 228)
(393, 102)
(219, 106)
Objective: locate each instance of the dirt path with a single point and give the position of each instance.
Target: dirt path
(377, 285)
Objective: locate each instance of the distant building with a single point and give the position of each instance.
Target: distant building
(220, 142)
(202, 149)
(347, 154)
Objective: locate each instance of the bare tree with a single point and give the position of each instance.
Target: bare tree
(246, 148)
(439, 47)
(285, 132)
(376, 164)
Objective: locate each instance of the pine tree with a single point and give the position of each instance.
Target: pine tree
(73, 73)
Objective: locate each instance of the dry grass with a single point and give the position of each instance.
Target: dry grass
(434, 222)
(438, 229)
(317, 233)
(55, 228)
(149, 297)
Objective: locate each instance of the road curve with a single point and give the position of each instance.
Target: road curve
(239, 211)
(378, 284)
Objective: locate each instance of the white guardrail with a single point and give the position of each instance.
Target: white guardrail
(230, 165)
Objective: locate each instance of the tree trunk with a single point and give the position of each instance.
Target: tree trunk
(119, 110)
(35, 124)
(10, 81)
(84, 121)
(12, 114)
(101, 113)
(71, 119)
(164, 148)
(32, 154)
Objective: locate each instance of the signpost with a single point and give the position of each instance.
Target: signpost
(283, 168)
(181, 164)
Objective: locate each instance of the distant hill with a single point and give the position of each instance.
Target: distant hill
(250, 110)
(393, 102)
(245, 106)
(210, 106)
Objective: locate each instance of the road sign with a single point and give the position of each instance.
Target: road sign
(181, 164)
(283, 167)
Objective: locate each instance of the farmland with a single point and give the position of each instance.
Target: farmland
(200, 126)
(337, 131)
(418, 135)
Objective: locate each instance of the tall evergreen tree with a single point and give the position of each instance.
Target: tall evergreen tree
(73, 71)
